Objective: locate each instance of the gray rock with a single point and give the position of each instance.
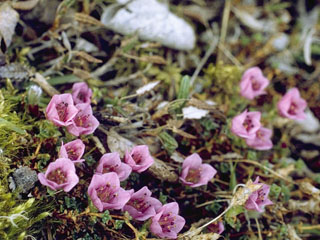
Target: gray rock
(24, 179)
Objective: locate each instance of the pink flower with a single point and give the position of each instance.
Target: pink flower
(194, 173)
(259, 198)
(167, 223)
(106, 193)
(216, 227)
(84, 122)
(292, 105)
(61, 110)
(262, 139)
(141, 205)
(246, 124)
(81, 93)
(253, 83)
(60, 174)
(72, 150)
(110, 162)
(139, 158)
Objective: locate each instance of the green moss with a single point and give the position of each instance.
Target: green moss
(17, 216)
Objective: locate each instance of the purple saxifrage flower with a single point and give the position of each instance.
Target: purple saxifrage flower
(106, 193)
(72, 150)
(253, 83)
(167, 223)
(194, 173)
(141, 205)
(292, 105)
(246, 124)
(81, 93)
(258, 199)
(84, 122)
(262, 139)
(60, 174)
(111, 162)
(139, 158)
(61, 110)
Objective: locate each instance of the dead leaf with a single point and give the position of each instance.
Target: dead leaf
(292, 233)
(25, 5)
(163, 171)
(87, 57)
(311, 206)
(42, 82)
(308, 188)
(287, 170)
(183, 133)
(8, 21)
(84, 75)
(117, 143)
(87, 19)
(146, 88)
(207, 236)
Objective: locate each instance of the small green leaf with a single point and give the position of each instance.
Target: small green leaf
(184, 88)
(300, 164)
(106, 216)
(118, 224)
(275, 191)
(214, 207)
(233, 177)
(64, 79)
(168, 142)
(163, 198)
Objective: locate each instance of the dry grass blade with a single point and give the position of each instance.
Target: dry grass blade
(24, 5)
(87, 19)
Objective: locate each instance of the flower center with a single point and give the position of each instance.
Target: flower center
(137, 158)
(194, 175)
(247, 124)
(261, 195)
(256, 85)
(139, 204)
(81, 96)
(293, 109)
(82, 120)
(72, 153)
(106, 193)
(167, 222)
(107, 169)
(62, 111)
(57, 176)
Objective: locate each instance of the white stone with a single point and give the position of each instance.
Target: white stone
(151, 21)
(194, 113)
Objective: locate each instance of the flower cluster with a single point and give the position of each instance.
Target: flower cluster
(105, 191)
(61, 174)
(73, 111)
(247, 124)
